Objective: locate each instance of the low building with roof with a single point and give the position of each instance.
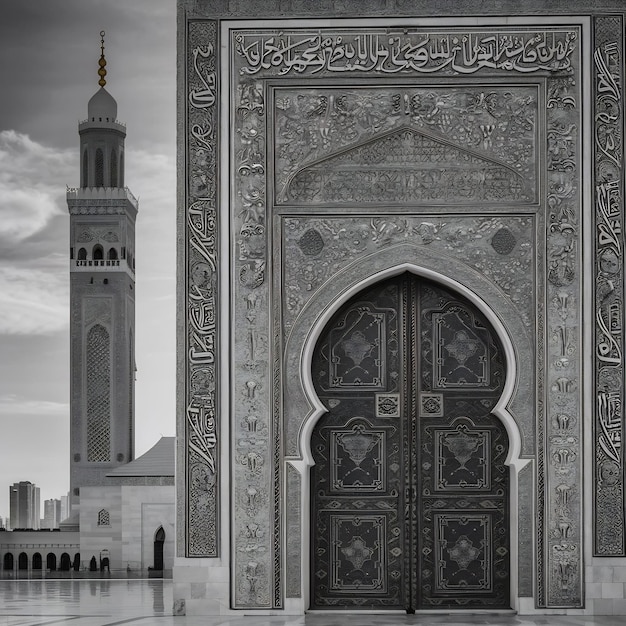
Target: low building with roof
(130, 524)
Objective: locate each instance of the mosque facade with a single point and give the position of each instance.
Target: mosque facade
(401, 303)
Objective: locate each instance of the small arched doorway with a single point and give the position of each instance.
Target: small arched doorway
(37, 560)
(22, 561)
(64, 564)
(409, 491)
(8, 561)
(51, 561)
(159, 540)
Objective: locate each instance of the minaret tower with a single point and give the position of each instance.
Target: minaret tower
(102, 298)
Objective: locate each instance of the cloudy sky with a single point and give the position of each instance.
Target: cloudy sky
(49, 55)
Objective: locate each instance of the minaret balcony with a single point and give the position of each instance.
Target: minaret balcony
(101, 193)
(100, 124)
(101, 265)
(102, 201)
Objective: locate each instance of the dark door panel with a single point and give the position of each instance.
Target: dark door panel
(409, 489)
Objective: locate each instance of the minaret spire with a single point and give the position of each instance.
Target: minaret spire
(102, 62)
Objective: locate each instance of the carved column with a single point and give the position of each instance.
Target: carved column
(609, 531)
(198, 449)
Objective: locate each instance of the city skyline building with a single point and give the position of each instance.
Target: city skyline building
(25, 505)
(51, 513)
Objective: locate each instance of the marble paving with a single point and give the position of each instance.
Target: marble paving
(147, 602)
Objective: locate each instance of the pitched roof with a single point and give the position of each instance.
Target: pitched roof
(158, 461)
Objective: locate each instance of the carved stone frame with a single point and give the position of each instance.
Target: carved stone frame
(254, 427)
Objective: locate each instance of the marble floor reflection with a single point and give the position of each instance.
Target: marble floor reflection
(147, 602)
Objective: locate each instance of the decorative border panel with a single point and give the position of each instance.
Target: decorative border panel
(562, 529)
(608, 499)
(256, 449)
(293, 561)
(549, 58)
(201, 285)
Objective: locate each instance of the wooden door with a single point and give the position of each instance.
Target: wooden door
(409, 492)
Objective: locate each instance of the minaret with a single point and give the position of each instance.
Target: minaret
(102, 298)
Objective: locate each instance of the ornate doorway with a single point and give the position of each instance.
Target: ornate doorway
(409, 489)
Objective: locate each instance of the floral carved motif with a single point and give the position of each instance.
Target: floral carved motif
(338, 146)
(610, 522)
(200, 430)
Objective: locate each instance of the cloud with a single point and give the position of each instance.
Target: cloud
(12, 405)
(32, 184)
(34, 300)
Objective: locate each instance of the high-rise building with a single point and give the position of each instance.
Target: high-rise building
(51, 513)
(65, 507)
(24, 503)
(102, 299)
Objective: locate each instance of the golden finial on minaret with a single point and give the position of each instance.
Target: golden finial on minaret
(102, 62)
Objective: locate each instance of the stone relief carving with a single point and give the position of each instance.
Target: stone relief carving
(609, 528)
(404, 51)
(346, 239)
(342, 146)
(201, 429)
(106, 233)
(560, 526)
(503, 248)
(97, 311)
(256, 477)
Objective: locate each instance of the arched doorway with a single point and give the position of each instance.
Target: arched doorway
(37, 560)
(8, 561)
(409, 491)
(64, 565)
(22, 561)
(159, 540)
(51, 561)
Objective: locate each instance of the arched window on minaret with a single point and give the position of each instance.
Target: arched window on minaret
(98, 395)
(85, 180)
(82, 254)
(112, 254)
(99, 168)
(121, 168)
(98, 253)
(113, 168)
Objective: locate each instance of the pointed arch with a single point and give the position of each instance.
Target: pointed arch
(113, 168)
(82, 254)
(112, 254)
(99, 168)
(302, 410)
(159, 540)
(98, 394)
(85, 171)
(98, 253)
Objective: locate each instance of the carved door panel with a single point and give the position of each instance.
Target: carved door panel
(409, 491)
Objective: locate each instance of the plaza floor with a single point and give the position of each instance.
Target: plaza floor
(147, 602)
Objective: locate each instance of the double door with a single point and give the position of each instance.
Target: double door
(409, 491)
